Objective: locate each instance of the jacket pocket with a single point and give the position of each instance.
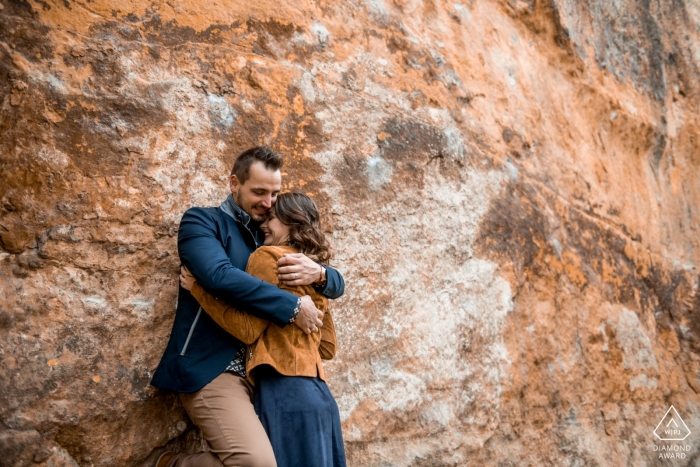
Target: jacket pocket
(189, 335)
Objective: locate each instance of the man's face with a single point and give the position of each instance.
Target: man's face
(259, 192)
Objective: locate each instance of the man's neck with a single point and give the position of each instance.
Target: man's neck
(246, 218)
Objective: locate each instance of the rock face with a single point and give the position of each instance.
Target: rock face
(512, 188)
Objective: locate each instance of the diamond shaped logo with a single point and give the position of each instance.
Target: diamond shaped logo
(671, 427)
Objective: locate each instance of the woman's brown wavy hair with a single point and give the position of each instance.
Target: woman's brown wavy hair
(300, 213)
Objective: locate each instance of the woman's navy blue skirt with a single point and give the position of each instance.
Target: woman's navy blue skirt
(301, 419)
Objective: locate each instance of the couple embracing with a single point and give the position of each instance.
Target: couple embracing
(246, 347)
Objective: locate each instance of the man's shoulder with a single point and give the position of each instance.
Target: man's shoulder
(203, 214)
(203, 211)
(197, 220)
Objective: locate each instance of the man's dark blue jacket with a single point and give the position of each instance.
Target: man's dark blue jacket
(214, 244)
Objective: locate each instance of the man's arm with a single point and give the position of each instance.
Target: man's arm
(201, 251)
(263, 265)
(335, 285)
(297, 269)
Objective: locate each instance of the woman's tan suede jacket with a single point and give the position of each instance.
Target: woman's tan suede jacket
(289, 350)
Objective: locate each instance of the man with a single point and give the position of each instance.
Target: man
(204, 363)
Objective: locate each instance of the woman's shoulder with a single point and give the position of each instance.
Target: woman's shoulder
(263, 262)
(275, 252)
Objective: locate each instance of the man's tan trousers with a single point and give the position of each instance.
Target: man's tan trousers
(223, 411)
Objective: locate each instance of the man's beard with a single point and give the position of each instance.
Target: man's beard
(258, 218)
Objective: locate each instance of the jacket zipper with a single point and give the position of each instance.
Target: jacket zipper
(255, 240)
(189, 336)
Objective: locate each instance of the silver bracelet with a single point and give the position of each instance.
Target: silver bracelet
(296, 311)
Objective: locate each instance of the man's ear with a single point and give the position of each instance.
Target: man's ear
(233, 184)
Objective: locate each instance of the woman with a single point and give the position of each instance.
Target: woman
(292, 400)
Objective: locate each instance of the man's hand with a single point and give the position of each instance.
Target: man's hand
(297, 269)
(309, 317)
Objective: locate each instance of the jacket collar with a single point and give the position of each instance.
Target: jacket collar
(230, 207)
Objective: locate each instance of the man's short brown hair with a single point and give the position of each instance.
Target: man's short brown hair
(270, 159)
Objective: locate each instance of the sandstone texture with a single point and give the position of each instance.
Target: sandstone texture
(512, 188)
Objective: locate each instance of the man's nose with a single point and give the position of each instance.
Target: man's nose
(267, 202)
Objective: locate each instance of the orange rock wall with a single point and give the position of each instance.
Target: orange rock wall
(512, 188)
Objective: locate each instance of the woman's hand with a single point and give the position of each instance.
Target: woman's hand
(186, 278)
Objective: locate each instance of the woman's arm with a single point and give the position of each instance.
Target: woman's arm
(241, 325)
(247, 328)
(328, 343)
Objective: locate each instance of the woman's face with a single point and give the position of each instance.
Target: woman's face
(276, 233)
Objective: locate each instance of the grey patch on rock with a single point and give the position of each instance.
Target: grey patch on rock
(450, 78)
(378, 172)
(306, 87)
(658, 151)
(453, 145)
(220, 111)
(411, 141)
(321, 34)
(637, 350)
